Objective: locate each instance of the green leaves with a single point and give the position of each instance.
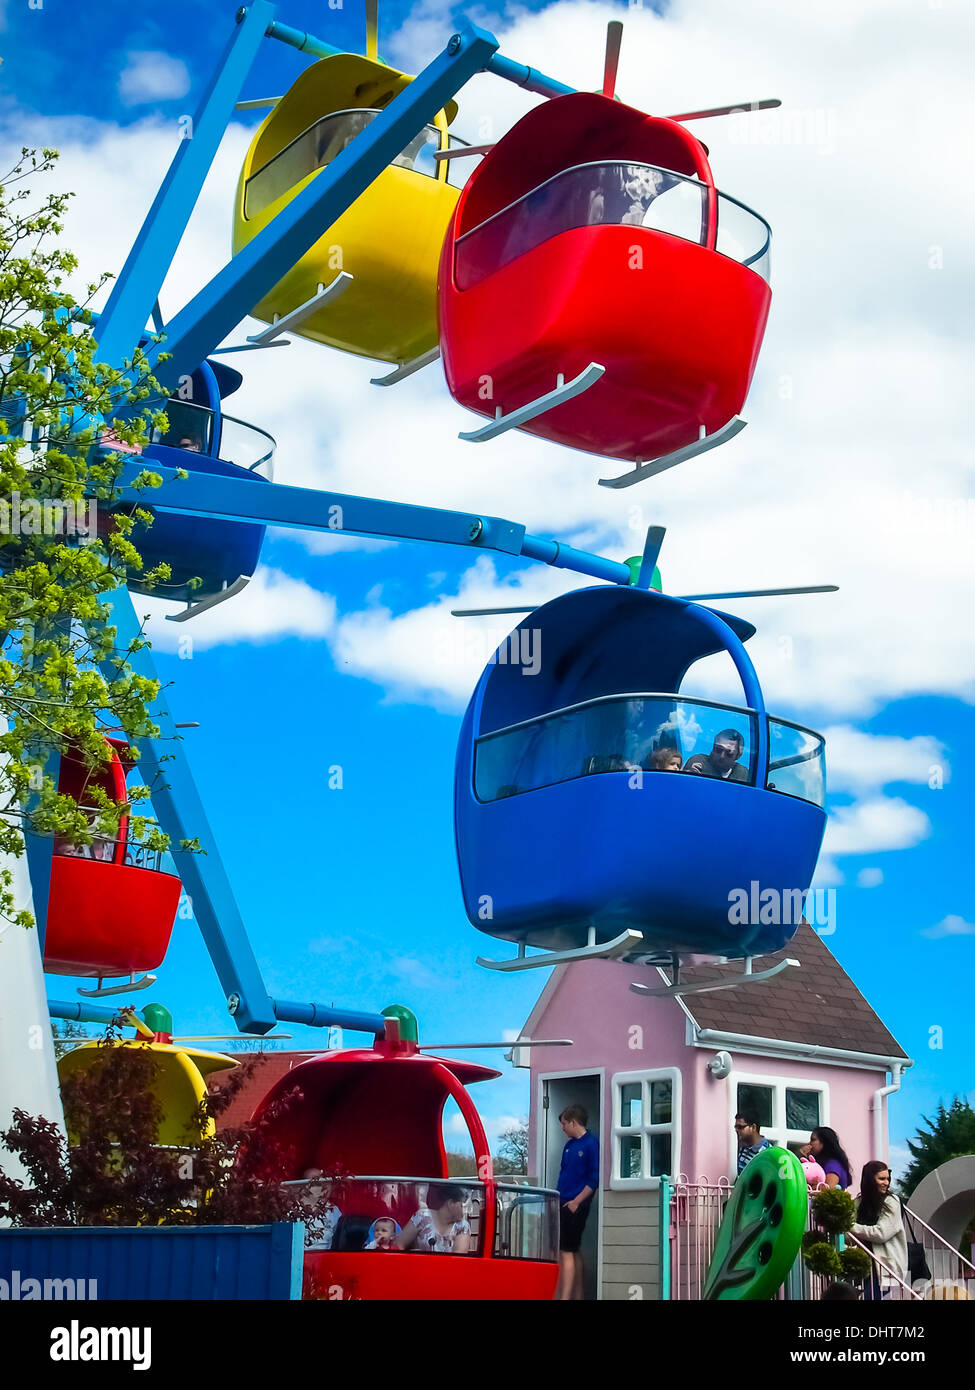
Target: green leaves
(68, 425)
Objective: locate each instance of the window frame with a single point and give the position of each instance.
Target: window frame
(646, 1128)
(778, 1085)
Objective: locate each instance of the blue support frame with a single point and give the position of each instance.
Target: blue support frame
(181, 815)
(136, 291)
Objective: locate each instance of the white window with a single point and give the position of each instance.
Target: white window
(646, 1127)
(787, 1109)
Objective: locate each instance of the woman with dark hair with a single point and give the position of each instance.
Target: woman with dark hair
(826, 1149)
(440, 1227)
(880, 1226)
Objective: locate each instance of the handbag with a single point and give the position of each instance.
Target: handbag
(917, 1262)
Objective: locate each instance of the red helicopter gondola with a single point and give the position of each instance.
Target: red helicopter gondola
(596, 289)
(366, 1126)
(111, 908)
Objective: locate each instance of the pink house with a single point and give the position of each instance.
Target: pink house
(662, 1079)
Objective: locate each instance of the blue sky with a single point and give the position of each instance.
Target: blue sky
(352, 896)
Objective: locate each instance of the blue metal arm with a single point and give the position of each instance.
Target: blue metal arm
(136, 290)
(196, 330)
(302, 508)
(180, 813)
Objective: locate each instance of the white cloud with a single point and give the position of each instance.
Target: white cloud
(425, 653)
(855, 467)
(860, 762)
(880, 823)
(952, 925)
(870, 878)
(272, 607)
(150, 76)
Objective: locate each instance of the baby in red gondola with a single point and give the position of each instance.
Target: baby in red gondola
(382, 1234)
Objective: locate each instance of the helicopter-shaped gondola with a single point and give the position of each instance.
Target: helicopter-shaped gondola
(111, 907)
(597, 289)
(180, 1072)
(368, 1124)
(369, 284)
(201, 437)
(573, 832)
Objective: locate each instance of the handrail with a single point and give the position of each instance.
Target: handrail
(878, 1261)
(590, 164)
(256, 429)
(621, 695)
(946, 1244)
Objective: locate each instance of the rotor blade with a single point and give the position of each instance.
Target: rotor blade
(614, 37)
(229, 1037)
(256, 103)
(462, 152)
(651, 553)
(766, 593)
(512, 1042)
(488, 612)
(767, 105)
(372, 29)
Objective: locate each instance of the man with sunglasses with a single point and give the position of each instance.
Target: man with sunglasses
(722, 761)
(751, 1141)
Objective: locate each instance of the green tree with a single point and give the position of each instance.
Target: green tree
(65, 1034)
(949, 1135)
(513, 1151)
(65, 422)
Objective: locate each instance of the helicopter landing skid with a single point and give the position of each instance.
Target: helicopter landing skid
(405, 369)
(193, 609)
(322, 295)
(652, 467)
(747, 977)
(606, 950)
(564, 391)
(131, 985)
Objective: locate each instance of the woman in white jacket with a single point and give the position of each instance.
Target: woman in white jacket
(880, 1226)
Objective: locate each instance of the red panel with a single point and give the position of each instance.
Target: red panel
(582, 128)
(679, 337)
(375, 1274)
(366, 1112)
(107, 919)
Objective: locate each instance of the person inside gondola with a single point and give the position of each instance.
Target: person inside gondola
(722, 761)
(440, 1227)
(382, 1234)
(665, 760)
(323, 1215)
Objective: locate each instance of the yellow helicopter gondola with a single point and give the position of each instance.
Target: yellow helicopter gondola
(388, 241)
(179, 1084)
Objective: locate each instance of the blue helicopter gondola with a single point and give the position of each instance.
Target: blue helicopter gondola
(572, 828)
(201, 437)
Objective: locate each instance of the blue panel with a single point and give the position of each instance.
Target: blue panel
(218, 552)
(661, 858)
(206, 1263)
(602, 641)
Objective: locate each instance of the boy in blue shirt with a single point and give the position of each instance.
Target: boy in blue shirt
(578, 1182)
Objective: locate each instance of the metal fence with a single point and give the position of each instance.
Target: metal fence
(691, 1214)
